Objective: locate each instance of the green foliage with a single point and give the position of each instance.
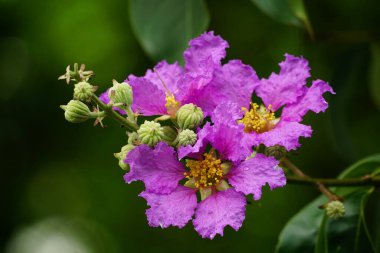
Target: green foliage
(165, 27)
(310, 230)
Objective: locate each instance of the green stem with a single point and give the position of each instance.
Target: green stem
(363, 181)
(128, 124)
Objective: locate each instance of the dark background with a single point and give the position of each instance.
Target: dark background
(61, 187)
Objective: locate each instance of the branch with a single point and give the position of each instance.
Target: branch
(363, 181)
(129, 125)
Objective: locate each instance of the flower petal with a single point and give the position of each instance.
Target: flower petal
(167, 73)
(219, 210)
(312, 99)
(197, 149)
(148, 99)
(207, 47)
(251, 175)
(285, 87)
(158, 168)
(173, 209)
(285, 133)
(227, 113)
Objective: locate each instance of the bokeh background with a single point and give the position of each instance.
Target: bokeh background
(61, 189)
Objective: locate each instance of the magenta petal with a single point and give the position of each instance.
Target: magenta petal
(285, 87)
(219, 210)
(251, 175)
(173, 209)
(227, 113)
(286, 134)
(311, 100)
(197, 149)
(207, 47)
(235, 82)
(167, 73)
(148, 99)
(230, 141)
(158, 168)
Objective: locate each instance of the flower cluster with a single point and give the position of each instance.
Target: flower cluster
(198, 155)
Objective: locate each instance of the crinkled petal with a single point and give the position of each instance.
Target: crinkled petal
(230, 142)
(148, 99)
(173, 209)
(251, 175)
(167, 73)
(312, 99)
(207, 48)
(219, 210)
(158, 168)
(286, 134)
(105, 99)
(197, 149)
(227, 113)
(285, 87)
(235, 82)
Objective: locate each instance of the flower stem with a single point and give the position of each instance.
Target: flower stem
(128, 124)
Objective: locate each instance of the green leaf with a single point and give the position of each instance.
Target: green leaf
(164, 27)
(290, 12)
(311, 231)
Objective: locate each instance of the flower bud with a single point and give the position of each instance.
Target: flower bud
(276, 151)
(121, 93)
(83, 91)
(189, 116)
(335, 209)
(150, 133)
(76, 111)
(187, 137)
(122, 155)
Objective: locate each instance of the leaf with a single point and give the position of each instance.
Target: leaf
(311, 231)
(374, 74)
(290, 12)
(164, 27)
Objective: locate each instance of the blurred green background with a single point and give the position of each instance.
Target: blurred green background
(61, 188)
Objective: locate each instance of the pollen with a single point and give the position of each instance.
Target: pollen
(258, 119)
(206, 172)
(171, 105)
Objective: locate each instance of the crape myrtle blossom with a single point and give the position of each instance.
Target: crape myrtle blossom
(286, 91)
(203, 81)
(222, 175)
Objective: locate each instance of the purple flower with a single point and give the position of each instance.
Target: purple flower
(222, 175)
(203, 81)
(287, 91)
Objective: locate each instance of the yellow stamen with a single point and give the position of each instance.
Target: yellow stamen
(258, 119)
(206, 172)
(171, 105)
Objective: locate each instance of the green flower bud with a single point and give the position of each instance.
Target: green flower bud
(187, 137)
(335, 209)
(276, 151)
(76, 111)
(189, 116)
(150, 133)
(121, 93)
(122, 155)
(83, 91)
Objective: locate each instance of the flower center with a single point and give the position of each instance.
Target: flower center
(206, 172)
(171, 105)
(258, 119)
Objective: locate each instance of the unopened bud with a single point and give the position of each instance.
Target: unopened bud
(335, 209)
(121, 93)
(122, 155)
(276, 151)
(150, 133)
(76, 111)
(189, 116)
(187, 137)
(83, 91)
